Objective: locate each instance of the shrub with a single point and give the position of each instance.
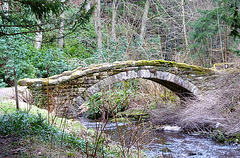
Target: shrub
(108, 103)
(22, 124)
(28, 61)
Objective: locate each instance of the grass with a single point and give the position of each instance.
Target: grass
(72, 126)
(27, 133)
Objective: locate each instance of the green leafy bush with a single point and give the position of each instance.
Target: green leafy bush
(21, 124)
(82, 43)
(108, 103)
(29, 62)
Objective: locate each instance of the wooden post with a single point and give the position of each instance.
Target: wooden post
(16, 90)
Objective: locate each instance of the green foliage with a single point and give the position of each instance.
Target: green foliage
(109, 102)
(205, 26)
(24, 15)
(206, 29)
(210, 21)
(231, 15)
(219, 136)
(43, 8)
(82, 43)
(28, 61)
(49, 61)
(95, 103)
(22, 124)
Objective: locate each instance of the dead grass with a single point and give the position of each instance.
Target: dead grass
(219, 108)
(11, 146)
(215, 109)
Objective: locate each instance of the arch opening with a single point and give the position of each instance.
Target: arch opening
(171, 81)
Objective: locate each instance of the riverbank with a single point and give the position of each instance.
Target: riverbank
(33, 132)
(215, 114)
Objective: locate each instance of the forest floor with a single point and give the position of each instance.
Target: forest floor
(6, 93)
(6, 147)
(15, 146)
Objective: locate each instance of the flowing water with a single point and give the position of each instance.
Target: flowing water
(172, 143)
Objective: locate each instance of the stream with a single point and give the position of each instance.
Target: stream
(172, 143)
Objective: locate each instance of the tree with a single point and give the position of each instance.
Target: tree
(22, 17)
(231, 15)
(98, 25)
(38, 38)
(144, 21)
(212, 29)
(184, 26)
(114, 14)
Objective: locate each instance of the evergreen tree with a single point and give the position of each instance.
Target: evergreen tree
(21, 16)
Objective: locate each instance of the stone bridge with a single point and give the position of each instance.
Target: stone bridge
(80, 84)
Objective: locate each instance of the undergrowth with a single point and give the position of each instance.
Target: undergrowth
(116, 102)
(22, 124)
(217, 111)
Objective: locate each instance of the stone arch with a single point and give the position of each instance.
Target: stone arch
(180, 87)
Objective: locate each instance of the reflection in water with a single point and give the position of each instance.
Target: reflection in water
(175, 144)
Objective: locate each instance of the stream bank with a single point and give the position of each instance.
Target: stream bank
(168, 143)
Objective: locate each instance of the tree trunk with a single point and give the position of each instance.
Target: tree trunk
(61, 31)
(38, 39)
(220, 37)
(5, 7)
(184, 27)
(226, 43)
(98, 25)
(16, 88)
(144, 21)
(88, 6)
(114, 14)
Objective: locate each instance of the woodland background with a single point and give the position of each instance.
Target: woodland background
(43, 38)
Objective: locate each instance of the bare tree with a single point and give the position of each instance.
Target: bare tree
(114, 14)
(61, 30)
(98, 25)
(184, 27)
(38, 38)
(144, 21)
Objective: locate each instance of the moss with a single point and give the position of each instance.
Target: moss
(26, 82)
(122, 120)
(167, 64)
(222, 65)
(154, 63)
(118, 67)
(218, 136)
(46, 81)
(195, 69)
(134, 113)
(233, 139)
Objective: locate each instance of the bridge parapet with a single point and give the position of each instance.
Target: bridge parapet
(181, 78)
(103, 70)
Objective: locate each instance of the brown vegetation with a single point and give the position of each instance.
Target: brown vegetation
(219, 108)
(215, 109)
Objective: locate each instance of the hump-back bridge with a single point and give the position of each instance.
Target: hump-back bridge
(184, 80)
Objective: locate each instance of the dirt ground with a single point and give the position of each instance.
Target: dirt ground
(9, 147)
(7, 93)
